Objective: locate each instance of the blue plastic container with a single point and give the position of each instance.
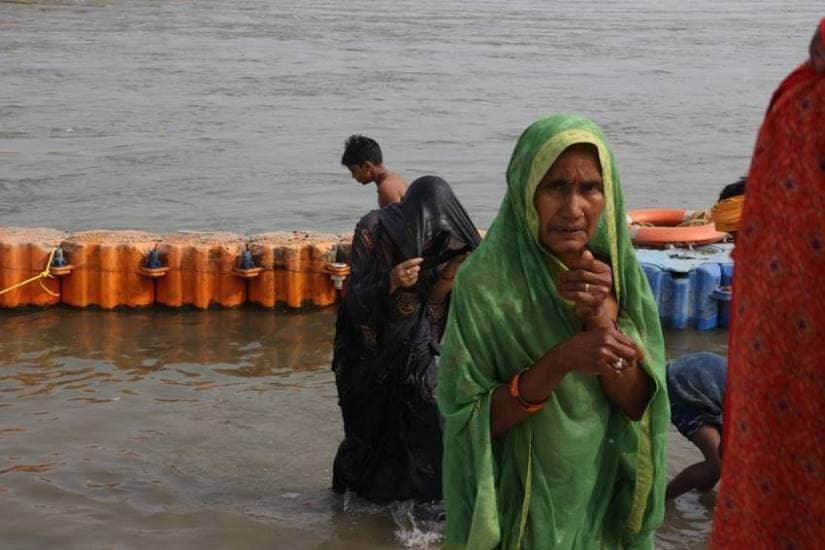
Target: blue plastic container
(691, 287)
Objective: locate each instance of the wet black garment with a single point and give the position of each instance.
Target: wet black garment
(385, 347)
(425, 222)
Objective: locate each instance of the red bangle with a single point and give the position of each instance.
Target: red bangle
(525, 406)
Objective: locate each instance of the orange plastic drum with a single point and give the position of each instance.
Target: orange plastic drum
(24, 253)
(293, 265)
(106, 269)
(201, 270)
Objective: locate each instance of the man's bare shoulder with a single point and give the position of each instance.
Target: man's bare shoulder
(396, 181)
(392, 189)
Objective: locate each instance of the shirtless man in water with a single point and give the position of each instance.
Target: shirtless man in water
(363, 157)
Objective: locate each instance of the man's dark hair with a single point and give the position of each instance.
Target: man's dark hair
(733, 189)
(360, 149)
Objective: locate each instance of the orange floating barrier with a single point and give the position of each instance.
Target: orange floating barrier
(109, 269)
(152, 267)
(338, 272)
(201, 270)
(661, 227)
(263, 289)
(323, 251)
(294, 269)
(106, 269)
(24, 254)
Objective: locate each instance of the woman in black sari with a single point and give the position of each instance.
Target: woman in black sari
(404, 257)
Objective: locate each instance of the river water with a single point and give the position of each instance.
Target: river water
(217, 429)
(208, 430)
(159, 115)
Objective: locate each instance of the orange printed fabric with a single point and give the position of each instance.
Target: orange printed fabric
(772, 493)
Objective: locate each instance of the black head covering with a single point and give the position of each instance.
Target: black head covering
(426, 220)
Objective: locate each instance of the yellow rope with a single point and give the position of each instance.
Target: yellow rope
(727, 214)
(40, 276)
(699, 217)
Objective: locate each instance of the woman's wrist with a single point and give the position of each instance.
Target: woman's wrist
(599, 322)
(526, 405)
(539, 382)
(598, 318)
(441, 289)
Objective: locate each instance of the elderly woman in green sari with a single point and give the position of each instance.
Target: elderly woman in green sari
(551, 379)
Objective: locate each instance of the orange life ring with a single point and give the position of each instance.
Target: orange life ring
(666, 229)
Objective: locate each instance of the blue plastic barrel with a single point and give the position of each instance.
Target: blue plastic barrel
(699, 298)
(724, 295)
(706, 279)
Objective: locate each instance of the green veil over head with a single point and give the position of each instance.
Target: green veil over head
(577, 474)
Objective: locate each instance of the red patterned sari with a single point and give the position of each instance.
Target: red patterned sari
(772, 491)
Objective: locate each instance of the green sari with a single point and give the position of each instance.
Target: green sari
(579, 473)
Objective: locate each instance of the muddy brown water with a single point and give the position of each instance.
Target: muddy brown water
(202, 429)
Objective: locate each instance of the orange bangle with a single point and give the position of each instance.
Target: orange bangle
(525, 406)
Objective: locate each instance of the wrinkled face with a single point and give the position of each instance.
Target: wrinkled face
(569, 200)
(362, 173)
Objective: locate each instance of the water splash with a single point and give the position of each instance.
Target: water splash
(417, 525)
